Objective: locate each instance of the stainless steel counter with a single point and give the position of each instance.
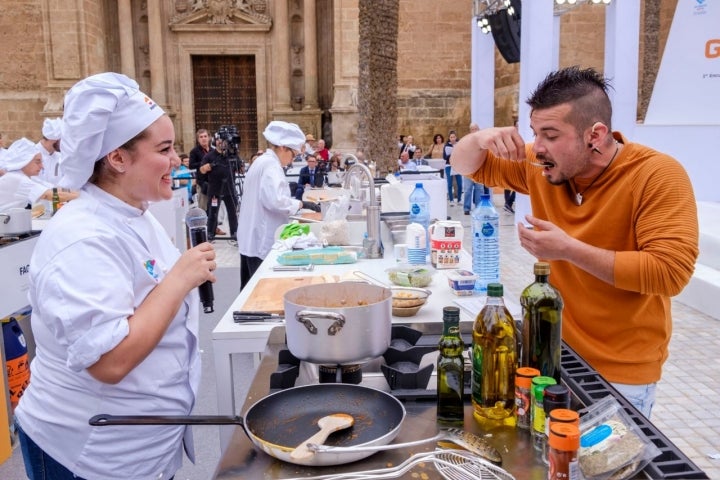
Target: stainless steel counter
(241, 460)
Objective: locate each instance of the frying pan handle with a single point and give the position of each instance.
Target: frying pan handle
(105, 419)
(339, 320)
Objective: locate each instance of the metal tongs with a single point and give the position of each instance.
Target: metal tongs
(247, 317)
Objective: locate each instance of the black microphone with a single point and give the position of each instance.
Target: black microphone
(196, 221)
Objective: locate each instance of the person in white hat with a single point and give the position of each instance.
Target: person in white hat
(49, 147)
(267, 202)
(23, 162)
(115, 306)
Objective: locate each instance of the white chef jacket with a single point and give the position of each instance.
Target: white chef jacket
(51, 165)
(93, 265)
(17, 190)
(266, 204)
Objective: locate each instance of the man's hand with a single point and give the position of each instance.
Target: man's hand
(205, 168)
(545, 240)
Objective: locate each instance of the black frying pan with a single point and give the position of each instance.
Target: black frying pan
(281, 421)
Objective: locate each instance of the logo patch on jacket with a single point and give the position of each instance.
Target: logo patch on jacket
(150, 267)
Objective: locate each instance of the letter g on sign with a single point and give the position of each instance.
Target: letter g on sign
(712, 48)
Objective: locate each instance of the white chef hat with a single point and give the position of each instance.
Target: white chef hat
(284, 134)
(51, 128)
(102, 113)
(3, 156)
(20, 153)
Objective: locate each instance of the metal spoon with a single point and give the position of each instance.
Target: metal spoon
(328, 424)
(294, 268)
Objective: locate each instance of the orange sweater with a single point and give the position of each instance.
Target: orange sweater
(644, 209)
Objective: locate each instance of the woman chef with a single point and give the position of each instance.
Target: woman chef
(115, 312)
(267, 203)
(18, 187)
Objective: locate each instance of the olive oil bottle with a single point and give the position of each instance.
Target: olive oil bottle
(450, 370)
(494, 361)
(542, 307)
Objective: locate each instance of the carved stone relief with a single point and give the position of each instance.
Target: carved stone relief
(220, 12)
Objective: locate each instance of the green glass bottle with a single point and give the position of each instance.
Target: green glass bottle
(494, 361)
(542, 307)
(450, 370)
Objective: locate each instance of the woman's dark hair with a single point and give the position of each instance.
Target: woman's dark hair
(585, 90)
(442, 139)
(129, 145)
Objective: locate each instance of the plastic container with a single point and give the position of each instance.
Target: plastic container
(523, 386)
(564, 442)
(462, 282)
(16, 360)
(486, 243)
(420, 211)
(416, 238)
(410, 276)
(538, 412)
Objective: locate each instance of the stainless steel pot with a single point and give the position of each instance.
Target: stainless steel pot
(15, 221)
(338, 323)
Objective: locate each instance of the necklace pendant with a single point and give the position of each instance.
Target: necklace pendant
(578, 199)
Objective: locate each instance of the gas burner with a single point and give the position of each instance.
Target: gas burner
(401, 369)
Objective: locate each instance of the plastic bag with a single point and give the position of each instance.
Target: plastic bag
(612, 445)
(338, 209)
(335, 232)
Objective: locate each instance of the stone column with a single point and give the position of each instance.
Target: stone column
(127, 45)
(311, 60)
(281, 67)
(157, 62)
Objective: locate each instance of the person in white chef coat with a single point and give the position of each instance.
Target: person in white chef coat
(267, 202)
(19, 187)
(115, 306)
(49, 147)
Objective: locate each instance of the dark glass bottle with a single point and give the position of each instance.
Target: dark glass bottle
(542, 308)
(55, 200)
(494, 361)
(450, 370)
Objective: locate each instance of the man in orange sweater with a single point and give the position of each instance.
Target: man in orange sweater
(617, 221)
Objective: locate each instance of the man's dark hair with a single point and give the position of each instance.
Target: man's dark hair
(585, 90)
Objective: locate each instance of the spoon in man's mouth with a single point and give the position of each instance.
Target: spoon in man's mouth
(542, 164)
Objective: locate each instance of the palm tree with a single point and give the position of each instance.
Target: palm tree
(377, 83)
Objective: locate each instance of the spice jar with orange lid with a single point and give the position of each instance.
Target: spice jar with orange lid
(523, 384)
(564, 443)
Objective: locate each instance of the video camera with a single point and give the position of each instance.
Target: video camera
(231, 137)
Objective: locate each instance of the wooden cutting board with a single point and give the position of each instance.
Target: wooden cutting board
(267, 296)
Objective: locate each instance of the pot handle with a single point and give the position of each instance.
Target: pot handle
(332, 329)
(7, 218)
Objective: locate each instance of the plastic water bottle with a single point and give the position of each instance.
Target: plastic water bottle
(486, 243)
(420, 210)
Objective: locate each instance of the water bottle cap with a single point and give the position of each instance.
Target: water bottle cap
(419, 185)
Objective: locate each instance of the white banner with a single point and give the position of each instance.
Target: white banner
(687, 88)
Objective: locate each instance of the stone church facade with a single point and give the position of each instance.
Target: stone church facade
(247, 62)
